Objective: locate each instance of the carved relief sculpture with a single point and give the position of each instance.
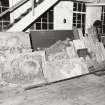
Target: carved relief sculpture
(24, 68)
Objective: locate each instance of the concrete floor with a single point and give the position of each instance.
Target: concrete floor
(86, 90)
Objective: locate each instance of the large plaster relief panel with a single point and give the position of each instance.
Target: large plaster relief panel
(23, 69)
(14, 40)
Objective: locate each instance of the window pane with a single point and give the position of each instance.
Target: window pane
(0, 9)
(83, 18)
(6, 17)
(102, 17)
(103, 28)
(74, 14)
(104, 21)
(38, 20)
(51, 19)
(74, 24)
(74, 21)
(79, 6)
(38, 26)
(78, 25)
(44, 25)
(5, 25)
(78, 16)
(44, 20)
(84, 8)
(0, 26)
(1, 19)
(103, 14)
(75, 7)
(78, 21)
(51, 16)
(103, 8)
(74, 18)
(50, 26)
(5, 3)
(44, 15)
(83, 25)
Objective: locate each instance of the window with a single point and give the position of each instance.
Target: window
(44, 22)
(79, 14)
(103, 20)
(5, 20)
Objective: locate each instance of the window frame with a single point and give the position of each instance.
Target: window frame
(79, 22)
(45, 19)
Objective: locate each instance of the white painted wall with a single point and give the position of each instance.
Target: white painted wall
(63, 10)
(18, 11)
(92, 13)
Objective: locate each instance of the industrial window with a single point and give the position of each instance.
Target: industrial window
(103, 19)
(5, 20)
(44, 22)
(79, 14)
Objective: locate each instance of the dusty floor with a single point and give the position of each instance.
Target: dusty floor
(87, 90)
